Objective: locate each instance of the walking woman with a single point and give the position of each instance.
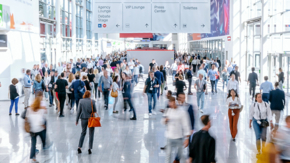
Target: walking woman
(96, 81)
(124, 78)
(127, 95)
(14, 96)
(70, 80)
(260, 114)
(234, 104)
(164, 75)
(37, 84)
(36, 117)
(91, 77)
(86, 107)
(46, 80)
(225, 75)
(115, 89)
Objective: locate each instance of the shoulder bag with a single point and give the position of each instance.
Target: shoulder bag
(264, 122)
(94, 121)
(114, 94)
(26, 123)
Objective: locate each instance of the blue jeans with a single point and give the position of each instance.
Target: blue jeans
(200, 98)
(42, 135)
(265, 97)
(150, 96)
(225, 81)
(215, 84)
(158, 92)
(173, 74)
(260, 132)
(135, 79)
(50, 96)
(16, 105)
(129, 101)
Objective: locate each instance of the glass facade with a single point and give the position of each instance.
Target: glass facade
(71, 23)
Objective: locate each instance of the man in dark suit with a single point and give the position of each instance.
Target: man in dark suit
(253, 79)
(160, 78)
(45, 69)
(277, 99)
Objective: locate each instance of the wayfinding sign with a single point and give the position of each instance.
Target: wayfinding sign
(152, 16)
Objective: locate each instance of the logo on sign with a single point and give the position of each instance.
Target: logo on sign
(104, 25)
(127, 25)
(100, 25)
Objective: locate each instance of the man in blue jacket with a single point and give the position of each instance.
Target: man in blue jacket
(159, 76)
(277, 99)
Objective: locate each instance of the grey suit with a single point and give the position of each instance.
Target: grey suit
(84, 113)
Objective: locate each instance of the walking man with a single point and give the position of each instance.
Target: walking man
(200, 86)
(150, 88)
(266, 87)
(27, 88)
(107, 83)
(277, 99)
(233, 84)
(202, 146)
(212, 76)
(253, 79)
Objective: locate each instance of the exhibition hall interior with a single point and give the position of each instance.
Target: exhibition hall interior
(144, 81)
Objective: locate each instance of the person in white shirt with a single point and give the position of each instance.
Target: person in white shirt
(83, 73)
(260, 114)
(234, 104)
(233, 84)
(131, 65)
(59, 68)
(141, 73)
(36, 117)
(136, 74)
(178, 127)
(115, 88)
(90, 64)
(174, 70)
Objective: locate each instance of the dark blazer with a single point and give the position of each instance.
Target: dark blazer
(85, 109)
(277, 99)
(43, 71)
(159, 76)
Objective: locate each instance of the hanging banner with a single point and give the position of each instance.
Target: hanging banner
(152, 16)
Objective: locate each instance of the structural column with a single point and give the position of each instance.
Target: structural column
(73, 31)
(264, 41)
(57, 56)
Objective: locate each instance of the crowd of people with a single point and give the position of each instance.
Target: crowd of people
(81, 84)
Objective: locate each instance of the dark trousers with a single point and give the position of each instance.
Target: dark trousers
(61, 98)
(129, 101)
(50, 93)
(194, 68)
(33, 142)
(77, 102)
(71, 99)
(212, 82)
(106, 93)
(189, 85)
(265, 97)
(96, 90)
(84, 132)
(252, 88)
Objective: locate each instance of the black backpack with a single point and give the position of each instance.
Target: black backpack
(140, 69)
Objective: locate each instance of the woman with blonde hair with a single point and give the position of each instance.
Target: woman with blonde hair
(36, 117)
(38, 84)
(70, 80)
(14, 96)
(96, 82)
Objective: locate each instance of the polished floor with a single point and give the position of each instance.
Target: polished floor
(121, 140)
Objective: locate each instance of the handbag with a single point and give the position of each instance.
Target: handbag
(114, 94)
(94, 121)
(241, 109)
(264, 122)
(26, 126)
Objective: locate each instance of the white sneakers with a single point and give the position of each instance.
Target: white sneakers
(153, 112)
(150, 114)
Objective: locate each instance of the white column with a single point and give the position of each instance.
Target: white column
(73, 31)
(58, 32)
(84, 29)
(264, 41)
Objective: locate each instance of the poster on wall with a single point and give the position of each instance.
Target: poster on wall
(22, 15)
(219, 19)
(148, 16)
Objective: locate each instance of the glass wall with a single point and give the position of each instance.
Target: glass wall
(79, 26)
(66, 28)
(89, 25)
(210, 49)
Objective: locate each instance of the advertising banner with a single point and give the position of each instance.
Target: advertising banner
(152, 16)
(4, 17)
(219, 19)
